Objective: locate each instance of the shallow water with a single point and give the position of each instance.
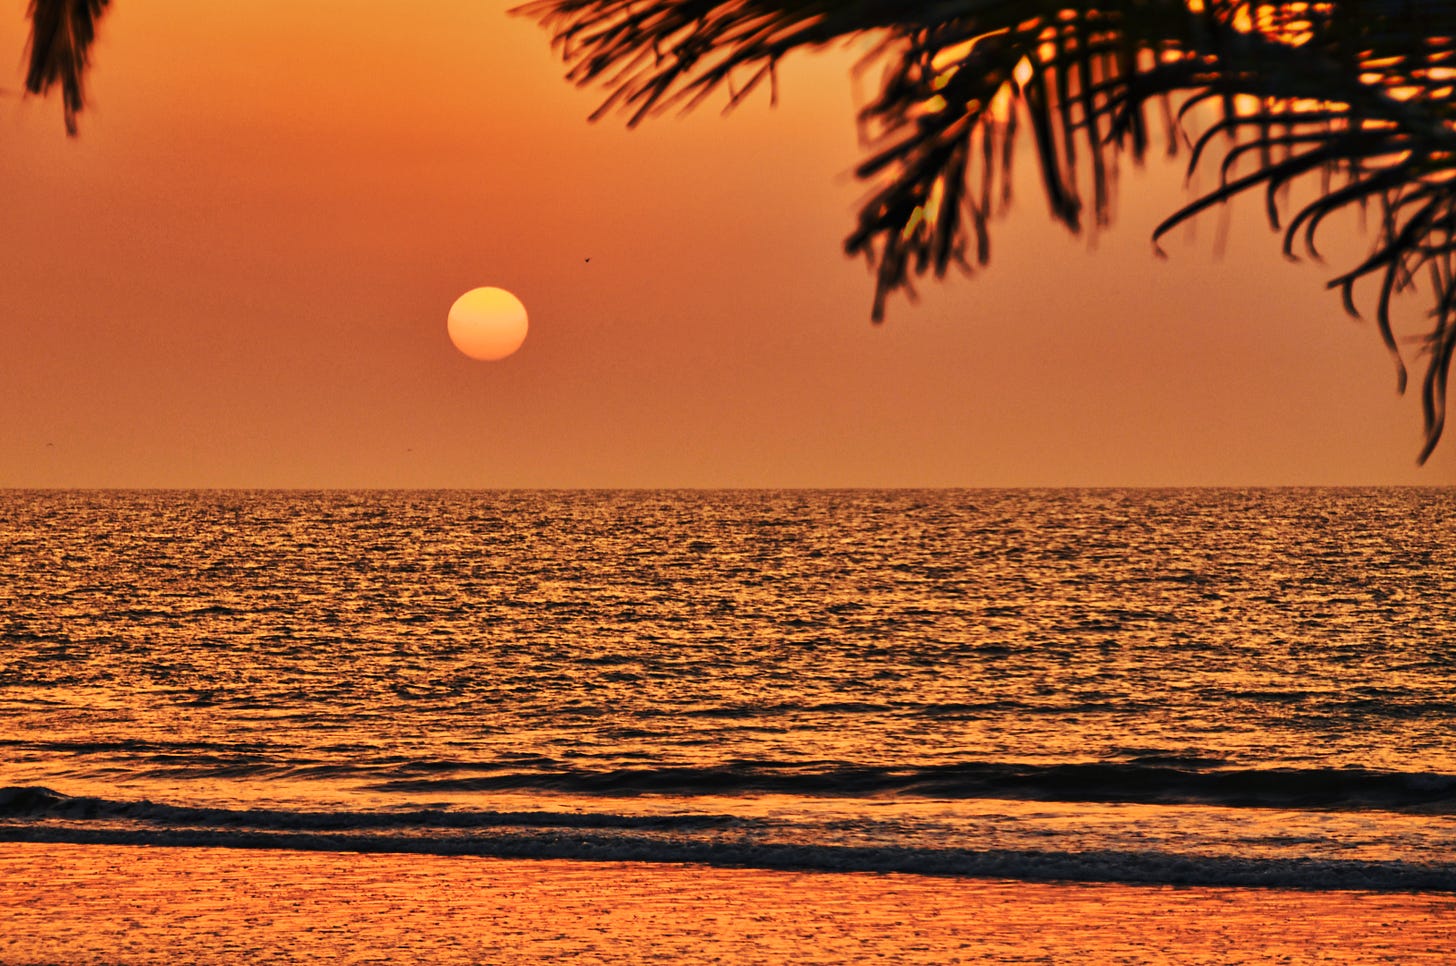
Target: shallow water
(1213, 686)
(225, 906)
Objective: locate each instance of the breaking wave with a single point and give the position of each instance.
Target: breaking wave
(36, 814)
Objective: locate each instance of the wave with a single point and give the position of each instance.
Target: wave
(34, 814)
(36, 803)
(1125, 782)
(1151, 779)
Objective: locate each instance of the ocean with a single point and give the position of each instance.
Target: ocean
(1218, 687)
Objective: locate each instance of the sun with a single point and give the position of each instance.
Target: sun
(487, 323)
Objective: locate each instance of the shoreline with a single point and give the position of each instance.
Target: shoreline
(1303, 874)
(148, 904)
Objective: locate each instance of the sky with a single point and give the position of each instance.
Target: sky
(238, 275)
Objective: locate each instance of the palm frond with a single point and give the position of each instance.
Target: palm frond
(1356, 93)
(61, 34)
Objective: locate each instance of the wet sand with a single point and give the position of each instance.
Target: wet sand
(136, 904)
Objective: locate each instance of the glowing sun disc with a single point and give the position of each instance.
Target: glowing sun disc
(487, 323)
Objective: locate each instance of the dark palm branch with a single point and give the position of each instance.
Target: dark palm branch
(61, 32)
(1357, 93)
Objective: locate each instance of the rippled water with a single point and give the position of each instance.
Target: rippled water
(929, 680)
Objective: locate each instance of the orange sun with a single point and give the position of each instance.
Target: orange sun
(487, 323)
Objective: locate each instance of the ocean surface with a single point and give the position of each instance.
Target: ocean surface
(1201, 686)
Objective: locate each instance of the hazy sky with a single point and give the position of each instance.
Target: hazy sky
(238, 275)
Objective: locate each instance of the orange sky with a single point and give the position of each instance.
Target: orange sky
(238, 275)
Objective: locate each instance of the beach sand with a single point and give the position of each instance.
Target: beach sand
(135, 904)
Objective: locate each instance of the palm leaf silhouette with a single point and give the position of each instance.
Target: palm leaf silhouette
(1356, 93)
(61, 33)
